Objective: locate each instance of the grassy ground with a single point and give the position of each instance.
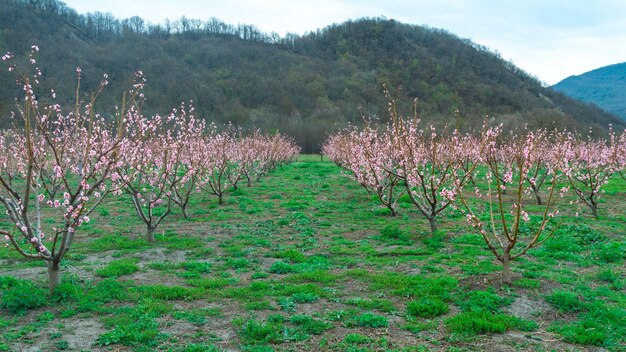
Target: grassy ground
(307, 260)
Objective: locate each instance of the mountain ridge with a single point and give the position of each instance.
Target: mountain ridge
(306, 86)
(604, 86)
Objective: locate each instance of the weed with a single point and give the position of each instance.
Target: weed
(258, 305)
(255, 332)
(427, 307)
(369, 320)
(116, 268)
(478, 322)
(286, 304)
(68, 290)
(163, 292)
(282, 268)
(21, 295)
(527, 283)
(611, 252)
(291, 255)
(482, 300)
(304, 297)
(383, 305)
(393, 234)
(585, 333)
(308, 325)
(197, 316)
(565, 301)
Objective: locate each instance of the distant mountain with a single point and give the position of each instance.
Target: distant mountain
(306, 86)
(604, 87)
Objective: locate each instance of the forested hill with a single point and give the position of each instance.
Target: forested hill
(304, 85)
(605, 87)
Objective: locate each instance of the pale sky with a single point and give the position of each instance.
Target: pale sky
(550, 39)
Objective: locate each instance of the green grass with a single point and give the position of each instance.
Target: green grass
(427, 307)
(120, 267)
(305, 259)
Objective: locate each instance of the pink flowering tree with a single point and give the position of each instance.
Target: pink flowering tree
(506, 227)
(539, 172)
(54, 165)
(217, 158)
(370, 160)
(430, 163)
(618, 146)
(429, 166)
(147, 171)
(590, 165)
(240, 157)
(272, 151)
(190, 168)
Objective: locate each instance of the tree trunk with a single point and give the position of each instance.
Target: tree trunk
(150, 233)
(54, 275)
(594, 210)
(506, 269)
(539, 201)
(249, 181)
(185, 213)
(433, 224)
(221, 199)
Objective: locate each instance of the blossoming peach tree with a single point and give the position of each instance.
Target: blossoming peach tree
(54, 164)
(506, 227)
(591, 164)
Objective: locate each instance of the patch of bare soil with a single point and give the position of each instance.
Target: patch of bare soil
(81, 334)
(520, 342)
(74, 334)
(527, 308)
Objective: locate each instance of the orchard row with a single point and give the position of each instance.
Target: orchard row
(56, 166)
(505, 173)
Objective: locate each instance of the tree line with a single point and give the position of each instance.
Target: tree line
(306, 86)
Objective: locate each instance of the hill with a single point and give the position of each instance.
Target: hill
(305, 86)
(604, 87)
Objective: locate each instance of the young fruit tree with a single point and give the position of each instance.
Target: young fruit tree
(370, 159)
(191, 167)
(429, 164)
(506, 227)
(148, 170)
(218, 154)
(590, 165)
(54, 168)
(618, 144)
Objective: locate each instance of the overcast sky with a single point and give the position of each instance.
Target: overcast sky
(550, 39)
